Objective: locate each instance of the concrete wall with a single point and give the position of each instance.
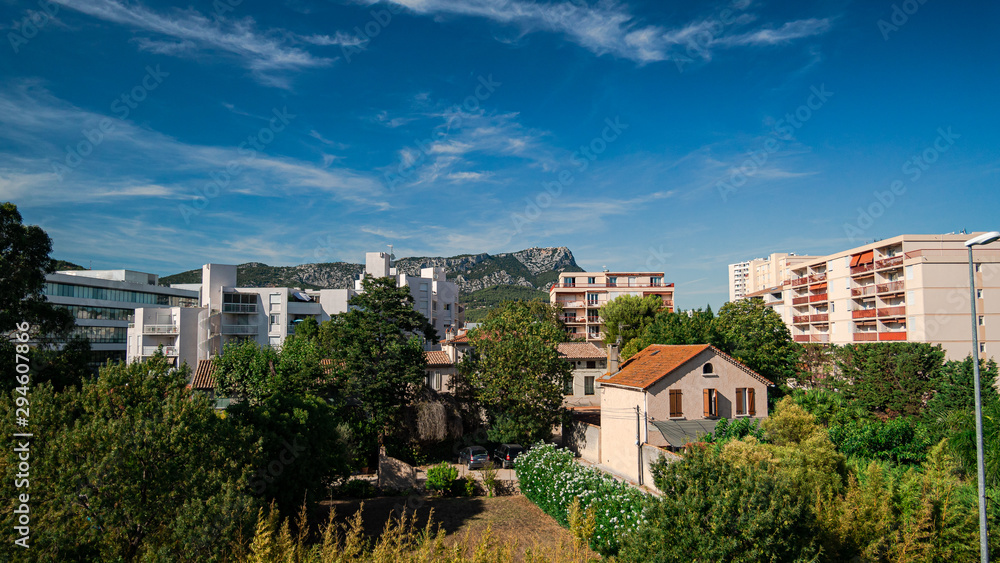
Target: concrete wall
(619, 450)
(585, 440)
(650, 455)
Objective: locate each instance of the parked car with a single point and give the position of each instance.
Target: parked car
(506, 454)
(473, 456)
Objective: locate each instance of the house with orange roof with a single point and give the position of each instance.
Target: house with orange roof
(589, 363)
(665, 397)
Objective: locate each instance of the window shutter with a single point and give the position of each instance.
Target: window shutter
(708, 403)
(751, 407)
(739, 400)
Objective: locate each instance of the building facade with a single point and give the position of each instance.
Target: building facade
(750, 277)
(589, 363)
(104, 303)
(582, 294)
(912, 288)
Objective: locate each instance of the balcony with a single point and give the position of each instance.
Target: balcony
(800, 300)
(889, 262)
(801, 338)
(813, 278)
(571, 304)
(159, 329)
(239, 329)
(865, 336)
(167, 350)
(862, 269)
(819, 338)
(891, 287)
(621, 283)
(245, 308)
(593, 319)
(899, 311)
(820, 318)
(818, 297)
(573, 320)
(863, 314)
(800, 319)
(863, 290)
(894, 336)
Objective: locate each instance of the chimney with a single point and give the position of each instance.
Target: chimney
(612, 359)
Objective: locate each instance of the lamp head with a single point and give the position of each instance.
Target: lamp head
(984, 238)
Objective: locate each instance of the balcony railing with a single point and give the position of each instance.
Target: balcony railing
(890, 287)
(863, 314)
(159, 329)
(167, 350)
(239, 329)
(864, 268)
(819, 337)
(892, 336)
(899, 311)
(889, 262)
(573, 320)
(239, 307)
(593, 319)
(621, 283)
(801, 337)
(800, 319)
(863, 290)
(820, 318)
(818, 297)
(865, 336)
(571, 304)
(813, 278)
(800, 300)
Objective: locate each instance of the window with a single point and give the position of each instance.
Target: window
(707, 368)
(676, 409)
(979, 267)
(275, 319)
(982, 320)
(711, 397)
(591, 364)
(570, 282)
(588, 385)
(979, 294)
(592, 280)
(982, 347)
(833, 307)
(591, 299)
(568, 386)
(745, 402)
(275, 298)
(434, 380)
(612, 281)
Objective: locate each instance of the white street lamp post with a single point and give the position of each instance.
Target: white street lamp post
(984, 546)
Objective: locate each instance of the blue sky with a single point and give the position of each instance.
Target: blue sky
(676, 136)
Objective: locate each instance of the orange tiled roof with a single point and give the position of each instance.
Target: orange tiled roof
(437, 358)
(204, 375)
(460, 339)
(580, 351)
(658, 361)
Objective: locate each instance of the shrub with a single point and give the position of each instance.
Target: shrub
(715, 510)
(550, 478)
(490, 478)
(440, 478)
(736, 429)
(897, 441)
(357, 488)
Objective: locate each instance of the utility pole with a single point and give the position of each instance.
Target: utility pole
(638, 440)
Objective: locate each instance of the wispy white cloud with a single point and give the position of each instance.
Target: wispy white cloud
(608, 28)
(190, 33)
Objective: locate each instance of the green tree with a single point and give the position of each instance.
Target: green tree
(893, 377)
(685, 327)
(377, 353)
(714, 509)
(246, 371)
(754, 334)
(24, 261)
(625, 317)
(954, 388)
(131, 467)
(516, 373)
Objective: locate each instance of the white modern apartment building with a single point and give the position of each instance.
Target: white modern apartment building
(755, 275)
(267, 315)
(104, 302)
(582, 294)
(912, 288)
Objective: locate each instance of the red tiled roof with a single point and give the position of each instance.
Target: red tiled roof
(658, 361)
(460, 339)
(437, 358)
(204, 375)
(580, 351)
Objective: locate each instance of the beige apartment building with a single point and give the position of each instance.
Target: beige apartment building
(746, 278)
(912, 288)
(582, 294)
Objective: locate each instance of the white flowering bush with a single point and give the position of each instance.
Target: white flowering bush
(550, 478)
